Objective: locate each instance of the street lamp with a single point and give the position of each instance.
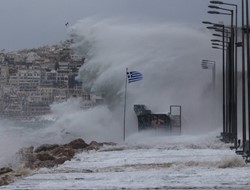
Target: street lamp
(224, 107)
(218, 13)
(217, 44)
(235, 61)
(214, 7)
(226, 135)
(217, 35)
(216, 2)
(215, 47)
(212, 28)
(215, 40)
(243, 74)
(208, 64)
(248, 66)
(231, 116)
(207, 22)
(218, 41)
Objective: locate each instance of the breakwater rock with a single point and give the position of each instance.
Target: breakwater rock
(45, 156)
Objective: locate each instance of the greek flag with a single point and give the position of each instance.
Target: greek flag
(134, 76)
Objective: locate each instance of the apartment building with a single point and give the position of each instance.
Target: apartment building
(31, 80)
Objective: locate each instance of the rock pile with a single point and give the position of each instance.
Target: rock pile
(50, 155)
(5, 179)
(47, 156)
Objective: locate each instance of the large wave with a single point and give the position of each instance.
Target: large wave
(167, 54)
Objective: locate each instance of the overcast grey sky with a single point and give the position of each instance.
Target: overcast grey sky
(34, 23)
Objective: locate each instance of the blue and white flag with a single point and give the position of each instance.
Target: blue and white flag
(134, 76)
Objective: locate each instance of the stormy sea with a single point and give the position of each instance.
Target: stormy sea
(169, 57)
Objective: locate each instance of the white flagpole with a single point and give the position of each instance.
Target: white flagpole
(125, 98)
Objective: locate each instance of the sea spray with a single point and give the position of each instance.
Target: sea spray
(167, 54)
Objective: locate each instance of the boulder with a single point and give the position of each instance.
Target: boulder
(44, 164)
(63, 151)
(108, 143)
(77, 144)
(44, 157)
(5, 180)
(46, 147)
(5, 170)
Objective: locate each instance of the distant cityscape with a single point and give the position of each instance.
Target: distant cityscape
(32, 79)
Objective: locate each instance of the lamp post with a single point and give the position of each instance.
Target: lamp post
(245, 110)
(243, 79)
(231, 115)
(235, 80)
(248, 68)
(215, 47)
(222, 47)
(215, 40)
(224, 104)
(217, 44)
(208, 64)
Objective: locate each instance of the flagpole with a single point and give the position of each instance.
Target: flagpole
(125, 98)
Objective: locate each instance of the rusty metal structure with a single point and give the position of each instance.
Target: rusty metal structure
(148, 120)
